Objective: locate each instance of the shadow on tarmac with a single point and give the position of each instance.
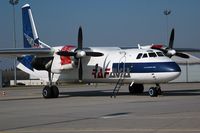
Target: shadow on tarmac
(104, 93)
(96, 93)
(189, 92)
(108, 93)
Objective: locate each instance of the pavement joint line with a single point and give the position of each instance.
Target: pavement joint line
(105, 130)
(110, 117)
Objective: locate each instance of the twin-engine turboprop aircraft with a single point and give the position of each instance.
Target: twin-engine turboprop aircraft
(135, 66)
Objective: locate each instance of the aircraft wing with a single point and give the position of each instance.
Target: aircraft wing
(20, 52)
(192, 50)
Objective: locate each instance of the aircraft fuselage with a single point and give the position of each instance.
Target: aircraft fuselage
(134, 65)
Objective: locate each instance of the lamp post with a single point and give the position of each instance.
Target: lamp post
(13, 3)
(167, 13)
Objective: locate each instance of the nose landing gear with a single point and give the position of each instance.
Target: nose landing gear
(155, 91)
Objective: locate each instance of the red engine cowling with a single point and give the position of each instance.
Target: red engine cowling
(66, 61)
(157, 46)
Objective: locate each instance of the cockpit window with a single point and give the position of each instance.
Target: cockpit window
(152, 55)
(139, 56)
(145, 55)
(160, 54)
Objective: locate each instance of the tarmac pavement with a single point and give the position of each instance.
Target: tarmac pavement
(89, 108)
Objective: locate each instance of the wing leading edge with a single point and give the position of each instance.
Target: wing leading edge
(20, 52)
(192, 50)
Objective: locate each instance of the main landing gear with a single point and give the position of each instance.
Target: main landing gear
(50, 91)
(135, 89)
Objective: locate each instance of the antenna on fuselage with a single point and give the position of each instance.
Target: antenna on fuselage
(139, 47)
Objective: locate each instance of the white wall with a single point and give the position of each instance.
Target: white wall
(190, 73)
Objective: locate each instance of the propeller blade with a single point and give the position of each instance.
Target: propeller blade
(171, 40)
(80, 39)
(182, 55)
(65, 53)
(80, 70)
(80, 47)
(94, 54)
(169, 51)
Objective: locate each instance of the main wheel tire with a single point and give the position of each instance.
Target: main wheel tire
(140, 88)
(153, 92)
(159, 91)
(132, 89)
(55, 91)
(136, 89)
(47, 92)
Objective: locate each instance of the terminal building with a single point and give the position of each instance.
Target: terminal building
(190, 69)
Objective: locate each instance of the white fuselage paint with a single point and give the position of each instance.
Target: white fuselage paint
(105, 64)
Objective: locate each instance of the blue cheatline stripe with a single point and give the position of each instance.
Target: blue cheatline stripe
(147, 67)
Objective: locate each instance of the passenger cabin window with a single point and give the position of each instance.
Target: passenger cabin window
(160, 54)
(145, 55)
(139, 56)
(152, 55)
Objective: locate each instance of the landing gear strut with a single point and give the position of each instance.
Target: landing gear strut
(50, 91)
(155, 91)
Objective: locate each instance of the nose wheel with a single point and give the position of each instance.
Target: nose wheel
(155, 91)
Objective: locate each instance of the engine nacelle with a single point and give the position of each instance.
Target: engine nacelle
(63, 63)
(68, 66)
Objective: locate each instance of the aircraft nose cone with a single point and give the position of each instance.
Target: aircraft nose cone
(174, 67)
